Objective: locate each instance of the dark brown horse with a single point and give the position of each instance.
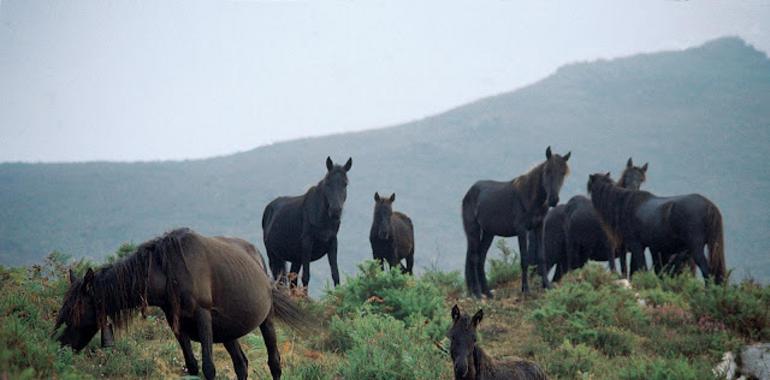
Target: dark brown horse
(211, 289)
(470, 362)
(665, 225)
(573, 234)
(304, 228)
(631, 178)
(510, 208)
(391, 235)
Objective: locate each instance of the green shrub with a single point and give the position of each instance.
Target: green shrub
(570, 361)
(450, 283)
(505, 269)
(414, 301)
(742, 308)
(663, 369)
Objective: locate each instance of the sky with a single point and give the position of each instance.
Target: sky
(149, 80)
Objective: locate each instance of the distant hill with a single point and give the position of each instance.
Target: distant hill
(700, 117)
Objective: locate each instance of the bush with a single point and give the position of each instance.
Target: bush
(570, 361)
(505, 269)
(742, 308)
(411, 300)
(450, 283)
(663, 369)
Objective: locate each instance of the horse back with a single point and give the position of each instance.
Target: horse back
(403, 233)
(554, 235)
(282, 219)
(496, 207)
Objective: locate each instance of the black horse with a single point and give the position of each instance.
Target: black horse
(304, 228)
(470, 362)
(574, 233)
(510, 208)
(392, 235)
(631, 178)
(211, 289)
(665, 225)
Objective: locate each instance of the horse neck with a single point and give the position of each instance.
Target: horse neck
(121, 288)
(616, 205)
(530, 187)
(482, 364)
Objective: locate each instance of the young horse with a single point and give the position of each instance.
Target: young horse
(212, 290)
(573, 233)
(392, 235)
(665, 225)
(472, 363)
(304, 228)
(512, 208)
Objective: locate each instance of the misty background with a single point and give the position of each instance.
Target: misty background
(126, 81)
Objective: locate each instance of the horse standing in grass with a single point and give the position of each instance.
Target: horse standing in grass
(632, 178)
(304, 228)
(574, 233)
(470, 362)
(665, 225)
(391, 235)
(510, 208)
(211, 289)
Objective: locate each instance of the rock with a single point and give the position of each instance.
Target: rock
(623, 283)
(727, 367)
(755, 361)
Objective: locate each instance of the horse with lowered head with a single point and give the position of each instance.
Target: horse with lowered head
(470, 362)
(665, 225)
(304, 228)
(211, 289)
(511, 208)
(391, 235)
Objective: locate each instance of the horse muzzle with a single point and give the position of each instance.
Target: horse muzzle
(553, 201)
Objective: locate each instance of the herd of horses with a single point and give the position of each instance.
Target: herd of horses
(218, 289)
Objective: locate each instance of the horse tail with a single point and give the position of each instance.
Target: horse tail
(716, 242)
(266, 215)
(469, 211)
(291, 314)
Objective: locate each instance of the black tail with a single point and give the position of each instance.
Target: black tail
(716, 242)
(291, 314)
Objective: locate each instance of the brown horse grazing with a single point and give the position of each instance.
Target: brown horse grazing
(304, 228)
(574, 233)
(665, 225)
(211, 289)
(392, 235)
(472, 363)
(511, 208)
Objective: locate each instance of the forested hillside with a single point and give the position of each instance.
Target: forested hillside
(700, 117)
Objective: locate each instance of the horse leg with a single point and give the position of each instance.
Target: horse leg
(638, 262)
(278, 267)
(486, 242)
(535, 237)
(623, 267)
(524, 262)
(240, 361)
(189, 358)
(271, 343)
(307, 252)
(205, 335)
(696, 252)
(294, 269)
(471, 262)
(332, 254)
(410, 262)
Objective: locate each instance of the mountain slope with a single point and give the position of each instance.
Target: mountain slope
(701, 117)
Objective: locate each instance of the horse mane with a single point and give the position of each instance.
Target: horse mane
(617, 205)
(121, 288)
(529, 185)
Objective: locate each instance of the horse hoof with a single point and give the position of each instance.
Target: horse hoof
(489, 294)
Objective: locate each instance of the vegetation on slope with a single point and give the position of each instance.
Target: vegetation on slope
(386, 325)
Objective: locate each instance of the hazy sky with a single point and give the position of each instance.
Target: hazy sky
(131, 80)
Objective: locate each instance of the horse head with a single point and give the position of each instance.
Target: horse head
(462, 336)
(334, 187)
(554, 172)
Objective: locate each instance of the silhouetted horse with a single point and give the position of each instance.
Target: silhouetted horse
(631, 178)
(304, 228)
(573, 234)
(392, 235)
(211, 289)
(472, 363)
(665, 225)
(511, 208)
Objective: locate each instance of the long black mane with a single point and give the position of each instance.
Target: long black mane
(616, 204)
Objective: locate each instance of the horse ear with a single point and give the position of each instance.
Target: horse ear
(566, 156)
(376, 196)
(630, 163)
(329, 163)
(348, 164)
(393, 197)
(607, 175)
(477, 318)
(88, 280)
(455, 313)
(644, 167)
(548, 152)
(72, 276)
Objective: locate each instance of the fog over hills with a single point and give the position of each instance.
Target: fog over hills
(700, 117)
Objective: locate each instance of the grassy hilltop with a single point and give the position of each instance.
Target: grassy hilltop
(385, 325)
(699, 116)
